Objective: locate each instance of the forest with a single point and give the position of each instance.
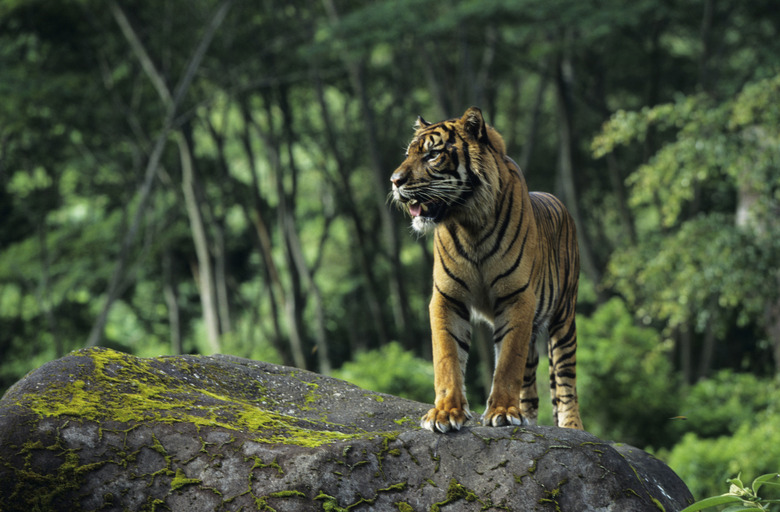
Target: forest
(212, 176)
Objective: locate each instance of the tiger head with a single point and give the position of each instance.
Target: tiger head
(450, 172)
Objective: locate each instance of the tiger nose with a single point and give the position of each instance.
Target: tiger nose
(399, 178)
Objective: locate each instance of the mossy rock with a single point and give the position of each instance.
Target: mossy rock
(102, 430)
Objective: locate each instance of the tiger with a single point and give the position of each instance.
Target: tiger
(501, 255)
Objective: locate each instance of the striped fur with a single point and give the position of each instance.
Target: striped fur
(500, 253)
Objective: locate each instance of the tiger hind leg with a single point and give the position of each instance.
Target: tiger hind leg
(562, 353)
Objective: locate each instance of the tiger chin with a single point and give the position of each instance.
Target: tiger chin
(501, 254)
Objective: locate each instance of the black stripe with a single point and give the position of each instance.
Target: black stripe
(467, 157)
(452, 275)
(500, 334)
(517, 230)
(461, 250)
(495, 223)
(504, 225)
(459, 307)
(451, 138)
(567, 339)
(504, 298)
(514, 265)
(462, 344)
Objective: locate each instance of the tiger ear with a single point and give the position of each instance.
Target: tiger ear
(474, 123)
(421, 123)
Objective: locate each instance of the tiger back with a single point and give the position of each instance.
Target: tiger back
(501, 254)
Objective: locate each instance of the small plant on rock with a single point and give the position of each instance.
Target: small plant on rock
(740, 498)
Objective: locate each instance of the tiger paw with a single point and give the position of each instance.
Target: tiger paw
(440, 420)
(502, 416)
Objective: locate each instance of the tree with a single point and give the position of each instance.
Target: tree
(711, 193)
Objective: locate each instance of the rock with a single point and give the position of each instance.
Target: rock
(102, 430)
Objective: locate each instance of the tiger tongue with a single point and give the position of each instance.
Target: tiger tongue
(415, 209)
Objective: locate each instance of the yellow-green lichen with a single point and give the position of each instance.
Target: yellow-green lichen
(273, 464)
(330, 503)
(180, 480)
(455, 492)
(657, 504)
(132, 390)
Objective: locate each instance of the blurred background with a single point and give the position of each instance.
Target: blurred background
(212, 176)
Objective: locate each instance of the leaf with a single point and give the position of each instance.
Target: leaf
(764, 479)
(712, 502)
(736, 481)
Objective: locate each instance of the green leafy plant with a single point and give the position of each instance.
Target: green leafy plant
(740, 497)
(390, 369)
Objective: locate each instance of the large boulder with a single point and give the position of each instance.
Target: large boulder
(102, 430)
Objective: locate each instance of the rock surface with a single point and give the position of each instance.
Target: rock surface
(102, 430)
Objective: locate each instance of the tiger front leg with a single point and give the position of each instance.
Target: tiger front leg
(512, 338)
(451, 337)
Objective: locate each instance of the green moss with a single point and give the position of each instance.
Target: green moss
(50, 488)
(455, 492)
(311, 396)
(261, 503)
(132, 390)
(551, 496)
(657, 504)
(329, 503)
(386, 450)
(287, 494)
(180, 480)
(402, 506)
(273, 464)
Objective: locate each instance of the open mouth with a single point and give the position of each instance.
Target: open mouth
(433, 210)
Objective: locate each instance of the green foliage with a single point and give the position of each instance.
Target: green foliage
(740, 497)
(750, 440)
(628, 389)
(719, 405)
(697, 272)
(390, 369)
(701, 251)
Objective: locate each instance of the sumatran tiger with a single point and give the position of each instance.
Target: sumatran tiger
(501, 254)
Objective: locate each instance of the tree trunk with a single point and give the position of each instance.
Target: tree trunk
(345, 192)
(205, 275)
(752, 218)
(292, 297)
(217, 223)
(564, 78)
(399, 302)
(533, 126)
(707, 352)
(294, 248)
(256, 215)
(439, 91)
(172, 303)
(684, 343)
(171, 102)
(44, 291)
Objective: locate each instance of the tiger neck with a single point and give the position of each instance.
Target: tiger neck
(480, 227)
